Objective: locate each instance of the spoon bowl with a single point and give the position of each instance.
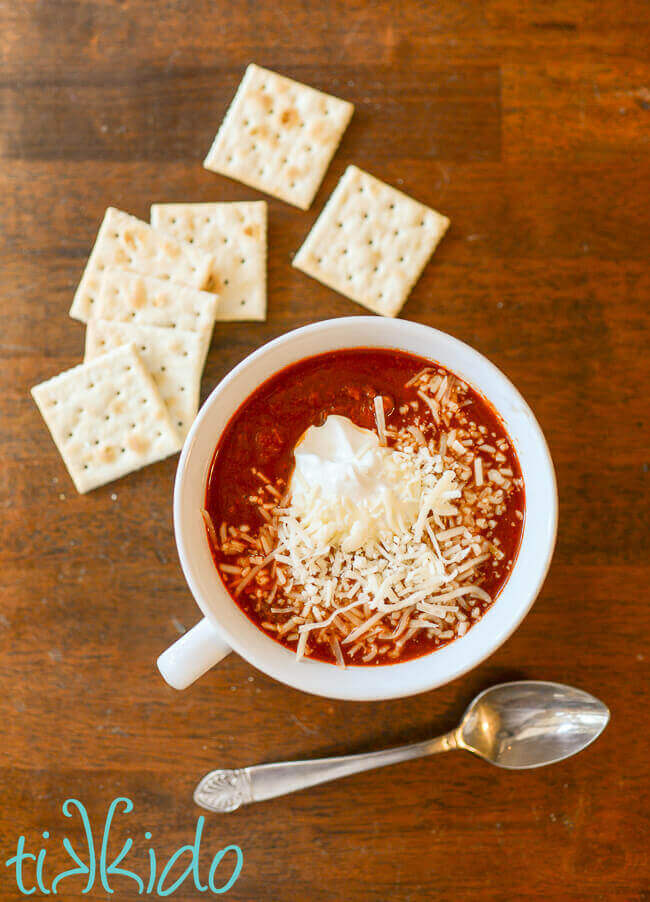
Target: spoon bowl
(530, 723)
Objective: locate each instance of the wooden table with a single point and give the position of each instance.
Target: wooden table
(527, 124)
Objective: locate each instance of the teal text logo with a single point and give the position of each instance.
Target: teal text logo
(95, 866)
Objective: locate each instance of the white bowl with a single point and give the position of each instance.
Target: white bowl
(227, 628)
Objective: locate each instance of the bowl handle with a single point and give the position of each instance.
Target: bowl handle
(192, 655)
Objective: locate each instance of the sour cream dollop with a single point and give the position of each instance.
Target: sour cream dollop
(347, 488)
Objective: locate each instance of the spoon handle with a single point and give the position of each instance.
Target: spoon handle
(227, 790)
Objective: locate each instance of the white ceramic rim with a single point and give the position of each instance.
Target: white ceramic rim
(358, 682)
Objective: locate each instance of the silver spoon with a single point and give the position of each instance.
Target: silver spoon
(513, 725)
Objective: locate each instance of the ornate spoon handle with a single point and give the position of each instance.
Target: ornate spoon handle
(227, 790)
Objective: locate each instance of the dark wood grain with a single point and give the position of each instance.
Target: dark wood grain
(528, 125)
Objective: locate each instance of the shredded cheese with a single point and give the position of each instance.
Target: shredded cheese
(401, 570)
(380, 419)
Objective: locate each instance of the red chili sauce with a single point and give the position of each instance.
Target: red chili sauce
(264, 430)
